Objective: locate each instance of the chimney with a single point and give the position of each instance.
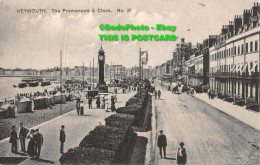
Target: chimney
(255, 9)
(224, 29)
(237, 23)
(230, 28)
(246, 17)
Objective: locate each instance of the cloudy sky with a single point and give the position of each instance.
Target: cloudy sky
(35, 40)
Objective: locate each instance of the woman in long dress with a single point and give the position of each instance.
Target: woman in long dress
(31, 144)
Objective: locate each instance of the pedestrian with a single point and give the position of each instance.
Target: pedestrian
(169, 88)
(181, 155)
(106, 102)
(103, 102)
(90, 102)
(113, 107)
(159, 93)
(155, 94)
(22, 135)
(62, 139)
(31, 144)
(212, 94)
(38, 138)
(192, 92)
(209, 93)
(13, 139)
(162, 143)
(78, 105)
(81, 107)
(98, 102)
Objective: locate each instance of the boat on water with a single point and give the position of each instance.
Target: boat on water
(33, 83)
(45, 83)
(22, 84)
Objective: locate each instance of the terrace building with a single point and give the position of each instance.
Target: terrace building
(234, 60)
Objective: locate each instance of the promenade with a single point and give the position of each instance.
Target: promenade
(76, 128)
(246, 116)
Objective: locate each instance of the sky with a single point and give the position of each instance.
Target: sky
(34, 40)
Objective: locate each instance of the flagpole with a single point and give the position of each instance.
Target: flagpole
(114, 78)
(93, 72)
(60, 80)
(140, 74)
(110, 77)
(90, 75)
(83, 74)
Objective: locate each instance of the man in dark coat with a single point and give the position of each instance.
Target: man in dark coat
(38, 142)
(13, 140)
(22, 135)
(98, 102)
(159, 94)
(162, 143)
(62, 138)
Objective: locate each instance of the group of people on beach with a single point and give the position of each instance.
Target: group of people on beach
(35, 140)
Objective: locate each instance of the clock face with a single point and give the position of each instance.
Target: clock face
(101, 58)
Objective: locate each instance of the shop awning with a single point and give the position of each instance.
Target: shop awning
(233, 68)
(244, 67)
(253, 68)
(191, 65)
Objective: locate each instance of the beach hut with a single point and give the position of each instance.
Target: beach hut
(24, 105)
(59, 98)
(40, 103)
(68, 97)
(8, 110)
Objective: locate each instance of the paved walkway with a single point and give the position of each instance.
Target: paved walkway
(210, 136)
(249, 117)
(76, 128)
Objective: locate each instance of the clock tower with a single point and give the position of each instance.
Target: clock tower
(101, 62)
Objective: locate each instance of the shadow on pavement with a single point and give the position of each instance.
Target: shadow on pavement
(11, 160)
(43, 161)
(21, 153)
(170, 158)
(85, 115)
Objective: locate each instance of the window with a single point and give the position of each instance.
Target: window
(235, 89)
(256, 45)
(229, 52)
(251, 90)
(246, 89)
(238, 88)
(251, 46)
(246, 47)
(238, 50)
(242, 48)
(235, 50)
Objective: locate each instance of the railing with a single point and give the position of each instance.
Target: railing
(254, 75)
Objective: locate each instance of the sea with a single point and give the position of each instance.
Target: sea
(8, 91)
